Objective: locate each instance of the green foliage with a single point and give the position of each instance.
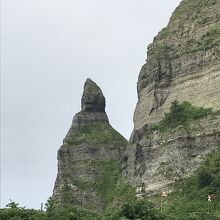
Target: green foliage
(208, 41)
(188, 200)
(14, 212)
(108, 178)
(204, 178)
(138, 209)
(133, 210)
(198, 13)
(181, 114)
(13, 205)
(112, 191)
(97, 133)
(71, 214)
(110, 185)
(50, 206)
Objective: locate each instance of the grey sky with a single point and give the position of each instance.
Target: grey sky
(48, 49)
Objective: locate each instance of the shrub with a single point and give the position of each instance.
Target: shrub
(181, 114)
(204, 178)
(140, 209)
(14, 212)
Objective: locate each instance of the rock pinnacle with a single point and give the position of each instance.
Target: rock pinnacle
(93, 99)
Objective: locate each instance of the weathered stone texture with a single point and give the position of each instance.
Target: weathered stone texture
(92, 98)
(183, 62)
(160, 159)
(201, 89)
(90, 141)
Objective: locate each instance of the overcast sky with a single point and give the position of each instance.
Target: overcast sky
(48, 49)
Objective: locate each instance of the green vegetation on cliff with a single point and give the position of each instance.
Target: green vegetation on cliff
(188, 200)
(182, 114)
(210, 40)
(110, 186)
(184, 27)
(97, 133)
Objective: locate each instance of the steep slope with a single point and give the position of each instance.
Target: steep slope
(160, 157)
(188, 200)
(90, 149)
(183, 64)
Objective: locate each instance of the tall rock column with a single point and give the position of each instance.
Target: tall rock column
(90, 149)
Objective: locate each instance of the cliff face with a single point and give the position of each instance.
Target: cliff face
(183, 63)
(90, 147)
(160, 159)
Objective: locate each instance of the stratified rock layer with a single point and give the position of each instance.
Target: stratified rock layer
(183, 63)
(90, 144)
(160, 159)
(92, 99)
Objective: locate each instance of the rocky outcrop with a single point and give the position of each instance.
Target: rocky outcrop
(92, 99)
(183, 63)
(160, 159)
(90, 145)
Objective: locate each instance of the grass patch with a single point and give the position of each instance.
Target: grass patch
(189, 198)
(97, 133)
(181, 114)
(110, 186)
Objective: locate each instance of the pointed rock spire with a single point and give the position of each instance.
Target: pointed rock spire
(92, 108)
(93, 99)
(90, 145)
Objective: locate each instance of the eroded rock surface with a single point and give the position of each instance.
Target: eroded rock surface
(90, 146)
(183, 63)
(92, 99)
(160, 159)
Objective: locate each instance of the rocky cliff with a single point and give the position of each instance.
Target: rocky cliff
(159, 159)
(183, 63)
(90, 149)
